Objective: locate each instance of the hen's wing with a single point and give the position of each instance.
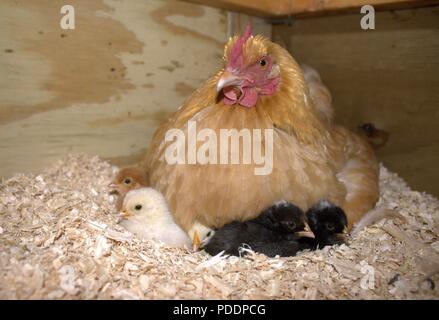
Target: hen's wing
(359, 173)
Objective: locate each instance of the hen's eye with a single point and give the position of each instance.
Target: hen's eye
(263, 63)
(127, 181)
(138, 207)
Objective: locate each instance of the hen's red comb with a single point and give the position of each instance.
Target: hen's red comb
(237, 48)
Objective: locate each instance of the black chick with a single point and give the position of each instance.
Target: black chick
(271, 233)
(328, 223)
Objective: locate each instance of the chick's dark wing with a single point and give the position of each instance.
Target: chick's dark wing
(283, 248)
(226, 239)
(235, 235)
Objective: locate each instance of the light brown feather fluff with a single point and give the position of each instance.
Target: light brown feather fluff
(320, 94)
(313, 159)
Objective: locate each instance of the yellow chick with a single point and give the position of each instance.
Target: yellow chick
(145, 213)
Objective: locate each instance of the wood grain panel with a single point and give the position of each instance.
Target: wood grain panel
(103, 87)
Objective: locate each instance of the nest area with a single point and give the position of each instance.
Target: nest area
(59, 239)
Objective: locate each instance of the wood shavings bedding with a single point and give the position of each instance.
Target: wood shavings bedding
(59, 239)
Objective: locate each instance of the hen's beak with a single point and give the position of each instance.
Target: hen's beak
(227, 79)
(124, 214)
(112, 185)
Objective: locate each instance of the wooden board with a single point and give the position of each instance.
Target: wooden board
(276, 8)
(388, 77)
(103, 87)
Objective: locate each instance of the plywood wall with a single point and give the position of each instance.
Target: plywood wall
(103, 87)
(388, 76)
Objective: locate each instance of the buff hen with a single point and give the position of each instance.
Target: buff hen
(261, 87)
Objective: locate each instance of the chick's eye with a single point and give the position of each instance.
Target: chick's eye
(138, 207)
(330, 226)
(263, 62)
(289, 224)
(127, 181)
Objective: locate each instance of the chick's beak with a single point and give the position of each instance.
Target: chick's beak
(124, 214)
(112, 185)
(227, 79)
(343, 234)
(306, 232)
(196, 242)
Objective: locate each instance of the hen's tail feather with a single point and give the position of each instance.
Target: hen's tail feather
(372, 217)
(319, 92)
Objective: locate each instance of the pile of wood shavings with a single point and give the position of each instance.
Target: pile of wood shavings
(59, 239)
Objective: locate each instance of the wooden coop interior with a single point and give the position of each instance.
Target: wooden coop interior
(104, 87)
